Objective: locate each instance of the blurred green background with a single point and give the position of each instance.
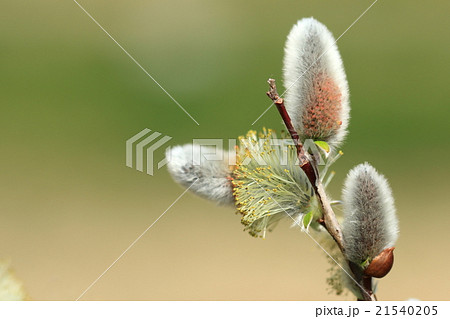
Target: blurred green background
(70, 98)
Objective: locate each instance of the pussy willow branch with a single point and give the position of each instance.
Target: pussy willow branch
(329, 221)
(364, 281)
(305, 163)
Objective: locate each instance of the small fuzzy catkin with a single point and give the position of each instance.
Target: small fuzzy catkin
(370, 223)
(316, 97)
(207, 178)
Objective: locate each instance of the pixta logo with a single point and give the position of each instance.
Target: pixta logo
(140, 149)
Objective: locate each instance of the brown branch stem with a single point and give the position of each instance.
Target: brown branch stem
(364, 282)
(305, 163)
(329, 220)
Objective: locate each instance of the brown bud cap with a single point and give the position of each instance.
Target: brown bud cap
(381, 264)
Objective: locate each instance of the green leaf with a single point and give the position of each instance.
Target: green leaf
(323, 145)
(365, 263)
(307, 219)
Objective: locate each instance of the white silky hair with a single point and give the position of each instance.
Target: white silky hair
(370, 223)
(211, 177)
(310, 51)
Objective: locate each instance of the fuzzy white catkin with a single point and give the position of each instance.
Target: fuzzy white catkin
(311, 60)
(211, 177)
(370, 223)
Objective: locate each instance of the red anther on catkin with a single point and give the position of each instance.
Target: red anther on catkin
(321, 117)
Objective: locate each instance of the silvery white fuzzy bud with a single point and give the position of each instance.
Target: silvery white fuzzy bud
(187, 164)
(370, 223)
(317, 97)
(10, 287)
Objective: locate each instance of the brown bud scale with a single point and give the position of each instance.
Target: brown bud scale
(381, 264)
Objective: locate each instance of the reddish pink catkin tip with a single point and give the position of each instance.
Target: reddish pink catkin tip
(321, 118)
(381, 264)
